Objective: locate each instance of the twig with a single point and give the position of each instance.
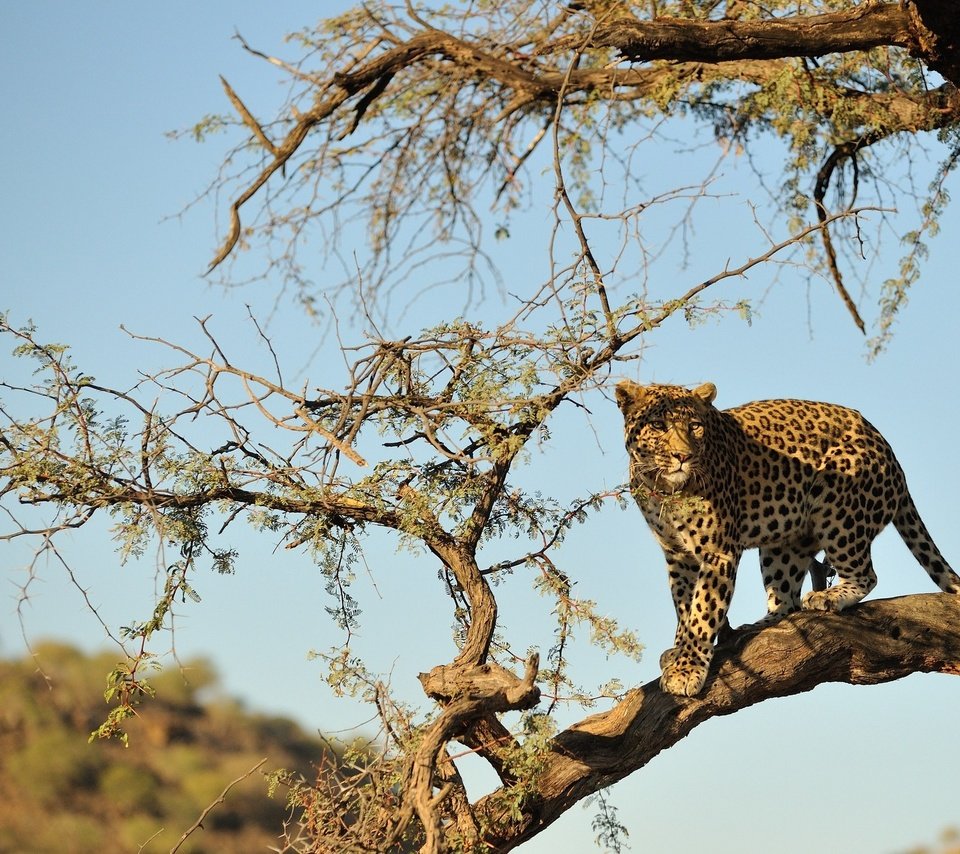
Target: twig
(314, 427)
(143, 845)
(279, 63)
(844, 151)
(575, 216)
(670, 308)
(219, 800)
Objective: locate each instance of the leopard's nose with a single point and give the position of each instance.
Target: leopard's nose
(680, 456)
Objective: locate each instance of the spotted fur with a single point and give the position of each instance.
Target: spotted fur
(790, 477)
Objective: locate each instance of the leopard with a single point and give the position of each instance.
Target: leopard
(792, 478)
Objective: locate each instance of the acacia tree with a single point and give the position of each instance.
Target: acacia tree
(412, 121)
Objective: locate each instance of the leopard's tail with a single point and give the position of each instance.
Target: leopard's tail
(915, 534)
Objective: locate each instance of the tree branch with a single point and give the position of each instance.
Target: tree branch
(938, 27)
(844, 151)
(874, 642)
(469, 694)
(532, 76)
(867, 26)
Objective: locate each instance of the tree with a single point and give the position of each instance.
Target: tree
(413, 120)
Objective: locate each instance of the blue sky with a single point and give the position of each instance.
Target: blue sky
(89, 240)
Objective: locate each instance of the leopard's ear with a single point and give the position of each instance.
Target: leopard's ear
(629, 395)
(706, 392)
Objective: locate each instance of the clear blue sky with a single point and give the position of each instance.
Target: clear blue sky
(89, 178)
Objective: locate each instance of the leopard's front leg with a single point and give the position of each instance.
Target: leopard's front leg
(682, 574)
(685, 667)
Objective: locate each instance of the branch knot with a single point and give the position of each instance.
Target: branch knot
(491, 687)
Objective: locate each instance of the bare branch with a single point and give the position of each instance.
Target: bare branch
(845, 151)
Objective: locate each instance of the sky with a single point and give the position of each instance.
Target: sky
(90, 239)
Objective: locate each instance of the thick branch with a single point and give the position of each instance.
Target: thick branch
(874, 642)
(483, 605)
(938, 27)
(929, 29)
(867, 26)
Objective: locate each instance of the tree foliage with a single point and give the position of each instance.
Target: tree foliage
(403, 126)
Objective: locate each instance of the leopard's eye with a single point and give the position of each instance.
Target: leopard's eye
(657, 425)
(696, 427)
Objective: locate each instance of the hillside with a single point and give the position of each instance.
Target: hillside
(59, 793)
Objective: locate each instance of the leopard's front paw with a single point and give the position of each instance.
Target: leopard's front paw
(683, 678)
(668, 656)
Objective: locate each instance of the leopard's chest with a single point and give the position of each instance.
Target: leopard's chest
(743, 503)
(695, 524)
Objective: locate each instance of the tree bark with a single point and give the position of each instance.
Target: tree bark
(874, 642)
(688, 40)
(929, 29)
(937, 25)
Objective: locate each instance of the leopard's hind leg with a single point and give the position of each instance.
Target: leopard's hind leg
(784, 568)
(856, 578)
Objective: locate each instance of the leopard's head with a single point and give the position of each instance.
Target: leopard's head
(666, 428)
